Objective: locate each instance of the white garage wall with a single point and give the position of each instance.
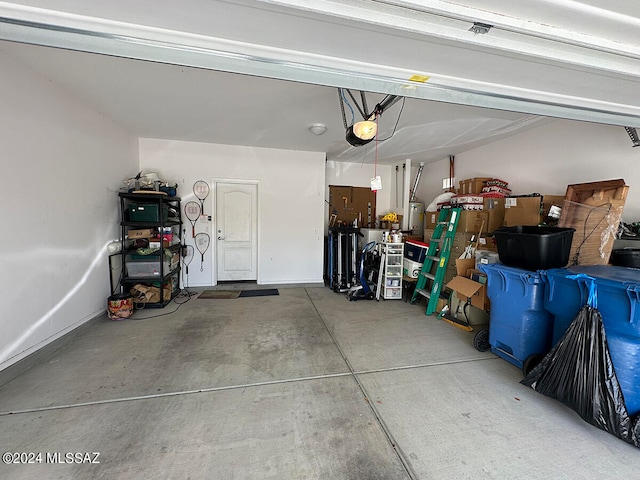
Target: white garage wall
(290, 201)
(61, 165)
(547, 159)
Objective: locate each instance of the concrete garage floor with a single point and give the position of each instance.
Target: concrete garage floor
(304, 385)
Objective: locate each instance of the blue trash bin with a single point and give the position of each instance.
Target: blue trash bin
(519, 326)
(617, 296)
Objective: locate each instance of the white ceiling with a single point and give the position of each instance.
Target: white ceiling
(542, 58)
(182, 103)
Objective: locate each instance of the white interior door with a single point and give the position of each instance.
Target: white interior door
(236, 231)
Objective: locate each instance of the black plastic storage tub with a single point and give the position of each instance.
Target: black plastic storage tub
(626, 257)
(534, 248)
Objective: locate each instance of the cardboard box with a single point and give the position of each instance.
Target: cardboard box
(466, 288)
(430, 220)
(442, 302)
(456, 251)
(529, 210)
(460, 242)
(155, 243)
(495, 213)
(550, 200)
(522, 211)
(464, 265)
(487, 242)
(492, 207)
(428, 233)
(472, 185)
(141, 233)
(450, 273)
(472, 221)
(462, 239)
(468, 202)
(469, 221)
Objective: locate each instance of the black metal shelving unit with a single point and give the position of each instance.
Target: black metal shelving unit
(157, 203)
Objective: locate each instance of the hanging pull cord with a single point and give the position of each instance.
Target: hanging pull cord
(375, 161)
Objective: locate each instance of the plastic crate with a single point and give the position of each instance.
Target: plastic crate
(410, 268)
(147, 212)
(626, 257)
(486, 257)
(617, 295)
(415, 250)
(534, 248)
(520, 328)
(148, 267)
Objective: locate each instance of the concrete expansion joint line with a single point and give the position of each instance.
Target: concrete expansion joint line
(392, 442)
(175, 394)
(425, 365)
(234, 387)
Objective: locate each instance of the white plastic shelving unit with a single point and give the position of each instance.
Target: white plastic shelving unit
(392, 271)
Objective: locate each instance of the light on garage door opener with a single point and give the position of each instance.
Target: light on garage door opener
(362, 132)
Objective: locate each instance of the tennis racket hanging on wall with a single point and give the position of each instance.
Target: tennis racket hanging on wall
(201, 191)
(202, 244)
(187, 255)
(192, 212)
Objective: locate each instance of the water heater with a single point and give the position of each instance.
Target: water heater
(416, 218)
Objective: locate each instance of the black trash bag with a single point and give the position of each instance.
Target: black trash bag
(578, 372)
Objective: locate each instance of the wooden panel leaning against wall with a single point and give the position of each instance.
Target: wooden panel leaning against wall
(350, 203)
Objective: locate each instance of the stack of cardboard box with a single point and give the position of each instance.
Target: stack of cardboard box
(496, 212)
(529, 209)
(473, 225)
(593, 209)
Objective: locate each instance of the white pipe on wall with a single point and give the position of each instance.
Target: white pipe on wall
(407, 194)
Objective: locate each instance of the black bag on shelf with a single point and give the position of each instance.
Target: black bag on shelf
(579, 373)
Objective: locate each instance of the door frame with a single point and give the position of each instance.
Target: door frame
(214, 223)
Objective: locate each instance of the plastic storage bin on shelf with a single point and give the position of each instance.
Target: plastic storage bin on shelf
(147, 267)
(519, 327)
(145, 212)
(618, 297)
(534, 248)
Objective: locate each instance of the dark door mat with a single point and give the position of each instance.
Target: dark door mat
(260, 293)
(219, 294)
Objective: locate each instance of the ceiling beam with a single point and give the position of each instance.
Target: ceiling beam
(96, 35)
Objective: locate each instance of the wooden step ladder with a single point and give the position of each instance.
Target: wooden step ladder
(431, 278)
